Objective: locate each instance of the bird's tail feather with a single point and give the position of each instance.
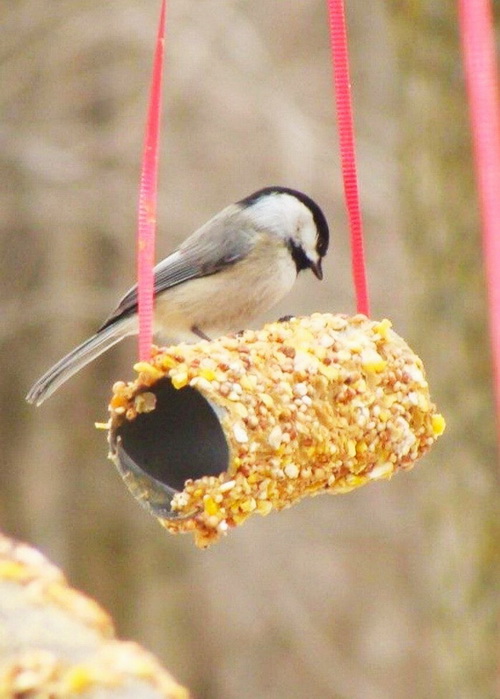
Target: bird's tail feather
(78, 358)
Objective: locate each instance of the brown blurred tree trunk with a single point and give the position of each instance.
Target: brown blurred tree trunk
(443, 233)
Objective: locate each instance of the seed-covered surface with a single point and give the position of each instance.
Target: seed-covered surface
(57, 643)
(318, 404)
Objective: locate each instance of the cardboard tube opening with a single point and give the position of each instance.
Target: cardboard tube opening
(180, 439)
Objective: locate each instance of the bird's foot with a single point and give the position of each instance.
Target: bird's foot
(199, 333)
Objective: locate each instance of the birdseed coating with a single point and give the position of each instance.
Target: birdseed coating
(56, 643)
(317, 404)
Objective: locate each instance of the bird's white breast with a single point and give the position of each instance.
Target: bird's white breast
(227, 300)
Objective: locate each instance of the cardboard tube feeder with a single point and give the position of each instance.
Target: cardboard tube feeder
(213, 432)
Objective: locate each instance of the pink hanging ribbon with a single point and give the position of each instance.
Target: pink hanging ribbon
(148, 196)
(340, 61)
(481, 76)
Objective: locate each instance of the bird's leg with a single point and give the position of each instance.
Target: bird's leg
(199, 333)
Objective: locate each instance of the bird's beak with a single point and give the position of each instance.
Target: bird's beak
(316, 268)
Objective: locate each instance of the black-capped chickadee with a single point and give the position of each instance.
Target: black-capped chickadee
(232, 269)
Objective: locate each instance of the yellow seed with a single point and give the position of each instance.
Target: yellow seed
(264, 507)
(341, 486)
(180, 379)
(240, 517)
(248, 505)
(78, 678)
(383, 328)
(361, 447)
(351, 448)
(372, 361)
(438, 424)
(12, 570)
(313, 487)
(208, 374)
(331, 372)
(148, 370)
(246, 384)
(142, 367)
(355, 481)
(210, 506)
(168, 362)
(240, 410)
(266, 399)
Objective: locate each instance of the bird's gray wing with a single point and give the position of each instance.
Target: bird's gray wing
(221, 242)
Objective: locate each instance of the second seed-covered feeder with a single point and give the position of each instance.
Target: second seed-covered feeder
(211, 433)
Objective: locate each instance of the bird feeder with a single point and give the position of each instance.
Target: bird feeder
(211, 433)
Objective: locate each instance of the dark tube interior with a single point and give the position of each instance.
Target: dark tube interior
(180, 439)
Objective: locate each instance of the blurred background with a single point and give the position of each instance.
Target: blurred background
(390, 591)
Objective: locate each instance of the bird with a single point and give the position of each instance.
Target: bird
(234, 268)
